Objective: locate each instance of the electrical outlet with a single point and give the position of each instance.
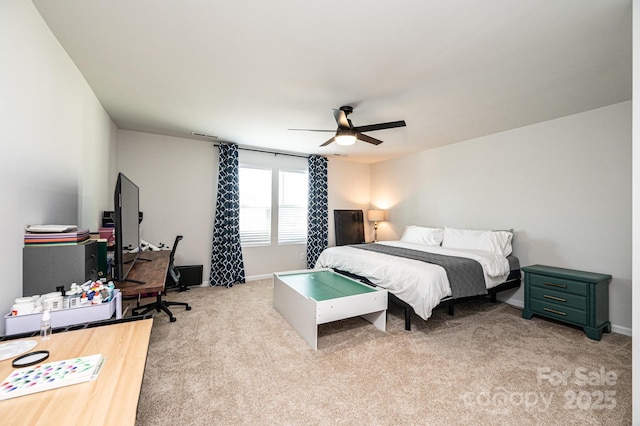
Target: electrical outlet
(303, 255)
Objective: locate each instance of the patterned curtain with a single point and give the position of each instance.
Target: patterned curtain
(227, 266)
(318, 216)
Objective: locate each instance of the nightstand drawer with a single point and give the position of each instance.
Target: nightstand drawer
(553, 310)
(559, 284)
(546, 295)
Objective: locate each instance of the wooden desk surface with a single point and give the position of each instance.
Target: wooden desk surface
(153, 273)
(111, 399)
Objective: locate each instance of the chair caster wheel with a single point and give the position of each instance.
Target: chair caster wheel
(188, 308)
(172, 319)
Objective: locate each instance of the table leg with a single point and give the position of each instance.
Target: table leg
(379, 319)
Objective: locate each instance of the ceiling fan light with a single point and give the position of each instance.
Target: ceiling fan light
(345, 140)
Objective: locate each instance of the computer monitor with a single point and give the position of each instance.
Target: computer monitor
(126, 203)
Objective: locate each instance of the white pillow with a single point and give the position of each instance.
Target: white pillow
(423, 235)
(498, 242)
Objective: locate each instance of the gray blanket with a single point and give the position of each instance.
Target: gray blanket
(465, 275)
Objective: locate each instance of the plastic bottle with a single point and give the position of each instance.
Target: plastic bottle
(45, 325)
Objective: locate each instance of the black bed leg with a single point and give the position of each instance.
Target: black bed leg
(450, 309)
(494, 298)
(407, 319)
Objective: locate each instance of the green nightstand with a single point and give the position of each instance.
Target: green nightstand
(575, 297)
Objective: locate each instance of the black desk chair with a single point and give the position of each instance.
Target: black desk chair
(173, 277)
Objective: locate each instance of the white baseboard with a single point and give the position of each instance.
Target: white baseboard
(259, 277)
(621, 330)
(515, 302)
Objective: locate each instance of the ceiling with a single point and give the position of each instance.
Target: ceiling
(247, 71)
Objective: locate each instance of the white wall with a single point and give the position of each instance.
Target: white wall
(178, 182)
(58, 142)
(177, 178)
(349, 189)
(564, 186)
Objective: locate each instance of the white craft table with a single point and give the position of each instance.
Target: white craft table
(308, 298)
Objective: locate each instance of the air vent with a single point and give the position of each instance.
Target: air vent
(203, 135)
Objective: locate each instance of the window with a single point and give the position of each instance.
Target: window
(293, 196)
(273, 205)
(255, 206)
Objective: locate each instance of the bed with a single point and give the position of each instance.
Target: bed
(431, 267)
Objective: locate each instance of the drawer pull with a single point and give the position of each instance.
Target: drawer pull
(559, 299)
(555, 312)
(555, 285)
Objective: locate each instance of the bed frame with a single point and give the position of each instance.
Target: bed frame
(513, 281)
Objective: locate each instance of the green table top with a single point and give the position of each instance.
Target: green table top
(324, 285)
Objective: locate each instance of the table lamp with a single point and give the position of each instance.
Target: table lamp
(375, 216)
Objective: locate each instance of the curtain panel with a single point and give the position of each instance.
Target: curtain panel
(227, 265)
(318, 216)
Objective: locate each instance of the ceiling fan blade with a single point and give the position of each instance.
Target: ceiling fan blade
(329, 141)
(369, 139)
(380, 126)
(312, 130)
(341, 118)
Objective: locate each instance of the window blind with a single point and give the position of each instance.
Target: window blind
(293, 197)
(255, 206)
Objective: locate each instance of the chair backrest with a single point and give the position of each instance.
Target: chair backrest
(173, 250)
(174, 274)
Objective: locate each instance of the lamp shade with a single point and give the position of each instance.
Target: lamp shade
(375, 215)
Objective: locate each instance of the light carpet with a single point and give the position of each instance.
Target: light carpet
(233, 359)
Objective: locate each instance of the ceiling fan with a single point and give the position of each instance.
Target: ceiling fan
(347, 133)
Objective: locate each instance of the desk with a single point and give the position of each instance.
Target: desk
(152, 272)
(111, 399)
(154, 275)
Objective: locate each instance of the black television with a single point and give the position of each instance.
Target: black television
(126, 205)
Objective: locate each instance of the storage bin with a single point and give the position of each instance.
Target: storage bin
(64, 317)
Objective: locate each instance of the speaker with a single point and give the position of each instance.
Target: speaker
(190, 275)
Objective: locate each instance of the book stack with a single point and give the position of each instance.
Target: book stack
(40, 235)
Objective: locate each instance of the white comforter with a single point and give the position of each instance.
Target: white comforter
(422, 285)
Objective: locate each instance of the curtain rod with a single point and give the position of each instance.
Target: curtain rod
(267, 152)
